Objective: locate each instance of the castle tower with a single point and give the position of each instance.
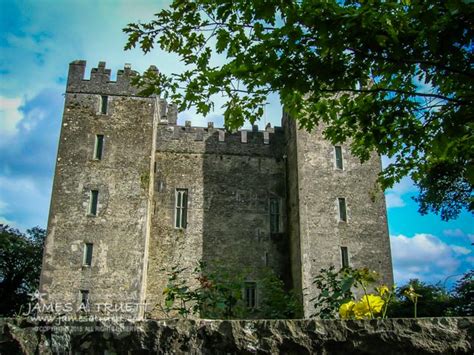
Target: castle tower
(99, 215)
(337, 213)
(135, 195)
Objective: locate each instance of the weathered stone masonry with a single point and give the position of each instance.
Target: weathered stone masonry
(289, 337)
(259, 199)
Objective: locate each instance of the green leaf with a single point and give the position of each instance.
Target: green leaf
(391, 77)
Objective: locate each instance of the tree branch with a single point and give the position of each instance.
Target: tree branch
(411, 61)
(397, 91)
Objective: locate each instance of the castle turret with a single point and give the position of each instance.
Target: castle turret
(99, 216)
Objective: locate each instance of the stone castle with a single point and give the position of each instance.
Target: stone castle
(135, 194)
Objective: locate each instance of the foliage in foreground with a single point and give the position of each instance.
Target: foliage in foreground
(391, 76)
(20, 266)
(336, 294)
(415, 299)
(217, 293)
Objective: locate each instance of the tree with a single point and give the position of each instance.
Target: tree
(391, 76)
(20, 266)
(433, 301)
(463, 295)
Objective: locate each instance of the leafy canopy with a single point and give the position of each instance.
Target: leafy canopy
(391, 76)
(463, 304)
(20, 266)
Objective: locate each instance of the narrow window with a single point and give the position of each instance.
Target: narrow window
(344, 257)
(87, 257)
(84, 299)
(250, 295)
(94, 198)
(103, 104)
(342, 209)
(99, 146)
(274, 215)
(338, 154)
(181, 208)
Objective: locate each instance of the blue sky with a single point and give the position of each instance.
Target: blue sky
(39, 38)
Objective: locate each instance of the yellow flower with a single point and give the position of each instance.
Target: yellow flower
(376, 302)
(362, 309)
(383, 290)
(411, 294)
(345, 311)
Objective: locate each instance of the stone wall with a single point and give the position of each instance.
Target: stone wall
(298, 337)
(230, 183)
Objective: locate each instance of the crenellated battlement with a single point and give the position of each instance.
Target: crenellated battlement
(190, 139)
(99, 82)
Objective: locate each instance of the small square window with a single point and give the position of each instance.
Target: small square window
(250, 294)
(104, 101)
(94, 198)
(181, 208)
(342, 209)
(338, 155)
(87, 257)
(344, 257)
(99, 146)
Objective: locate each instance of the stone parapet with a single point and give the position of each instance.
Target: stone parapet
(190, 139)
(179, 336)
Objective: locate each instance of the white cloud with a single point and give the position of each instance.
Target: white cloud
(460, 250)
(394, 195)
(386, 161)
(393, 200)
(10, 223)
(453, 232)
(10, 115)
(27, 202)
(33, 118)
(459, 234)
(425, 257)
(405, 185)
(28, 43)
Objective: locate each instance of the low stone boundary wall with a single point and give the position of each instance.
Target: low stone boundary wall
(180, 336)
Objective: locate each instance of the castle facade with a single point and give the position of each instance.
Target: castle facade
(135, 194)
